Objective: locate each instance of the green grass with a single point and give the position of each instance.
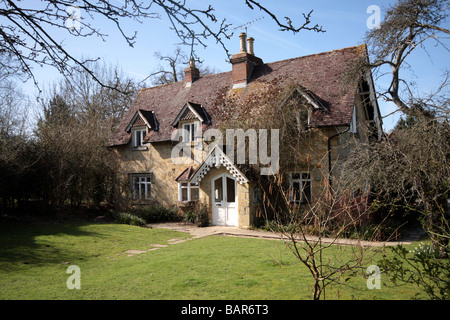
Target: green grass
(34, 261)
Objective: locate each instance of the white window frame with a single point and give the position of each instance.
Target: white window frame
(189, 186)
(189, 131)
(302, 182)
(144, 186)
(138, 137)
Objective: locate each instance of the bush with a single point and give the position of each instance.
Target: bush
(190, 217)
(201, 215)
(128, 218)
(156, 213)
(198, 215)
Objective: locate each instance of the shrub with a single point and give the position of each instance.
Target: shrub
(190, 217)
(156, 213)
(128, 218)
(201, 215)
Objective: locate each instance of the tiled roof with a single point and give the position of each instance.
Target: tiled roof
(186, 174)
(320, 74)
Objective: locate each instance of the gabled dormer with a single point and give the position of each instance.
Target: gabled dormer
(190, 119)
(139, 128)
(303, 103)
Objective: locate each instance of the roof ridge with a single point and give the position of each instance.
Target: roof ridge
(362, 46)
(320, 53)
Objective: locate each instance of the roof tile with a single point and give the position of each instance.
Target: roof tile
(320, 74)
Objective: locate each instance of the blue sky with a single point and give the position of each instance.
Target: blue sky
(344, 22)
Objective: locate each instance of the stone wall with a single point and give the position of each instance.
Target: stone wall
(156, 159)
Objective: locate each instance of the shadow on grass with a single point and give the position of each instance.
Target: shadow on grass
(23, 244)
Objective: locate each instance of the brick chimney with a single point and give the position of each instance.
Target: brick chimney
(191, 73)
(243, 62)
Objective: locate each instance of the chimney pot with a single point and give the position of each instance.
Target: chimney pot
(243, 37)
(250, 46)
(244, 62)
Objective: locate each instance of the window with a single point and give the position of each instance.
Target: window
(141, 187)
(257, 195)
(353, 124)
(189, 131)
(300, 187)
(231, 192)
(138, 137)
(188, 191)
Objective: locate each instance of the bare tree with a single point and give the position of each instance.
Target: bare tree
(173, 70)
(399, 167)
(27, 33)
(16, 150)
(409, 169)
(76, 122)
(311, 228)
(312, 223)
(408, 25)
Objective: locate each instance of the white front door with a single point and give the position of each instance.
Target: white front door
(224, 201)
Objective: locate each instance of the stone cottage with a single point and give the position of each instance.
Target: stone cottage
(165, 158)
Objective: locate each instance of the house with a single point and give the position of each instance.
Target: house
(167, 120)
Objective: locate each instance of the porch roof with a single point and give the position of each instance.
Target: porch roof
(217, 158)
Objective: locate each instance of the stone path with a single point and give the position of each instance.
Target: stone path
(197, 232)
(155, 246)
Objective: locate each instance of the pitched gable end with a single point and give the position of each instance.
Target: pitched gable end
(309, 96)
(191, 111)
(217, 158)
(143, 118)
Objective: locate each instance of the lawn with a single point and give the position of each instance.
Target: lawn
(34, 261)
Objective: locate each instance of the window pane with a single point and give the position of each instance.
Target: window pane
(295, 192)
(306, 192)
(141, 193)
(184, 194)
(193, 132)
(194, 194)
(141, 187)
(144, 189)
(295, 176)
(149, 189)
(231, 194)
(257, 195)
(135, 188)
(218, 190)
(137, 142)
(187, 129)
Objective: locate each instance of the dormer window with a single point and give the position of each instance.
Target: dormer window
(189, 120)
(189, 132)
(140, 125)
(138, 136)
